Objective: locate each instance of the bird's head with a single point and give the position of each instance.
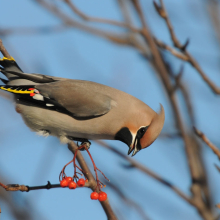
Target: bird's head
(147, 134)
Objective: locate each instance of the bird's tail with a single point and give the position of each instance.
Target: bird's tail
(8, 66)
(12, 71)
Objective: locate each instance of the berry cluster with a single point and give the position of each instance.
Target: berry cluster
(68, 181)
(73, 182)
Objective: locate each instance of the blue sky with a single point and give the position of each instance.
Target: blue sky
(31, 160)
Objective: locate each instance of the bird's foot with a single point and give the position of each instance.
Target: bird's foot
(86, 144)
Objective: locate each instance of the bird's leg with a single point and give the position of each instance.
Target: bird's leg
(85, 142)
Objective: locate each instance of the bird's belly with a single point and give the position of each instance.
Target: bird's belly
(46, 122)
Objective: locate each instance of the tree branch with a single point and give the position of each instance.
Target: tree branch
(147, 171)
(163, 13)
(208, 142)
(92, 183)
(99, 20)
(4, 51)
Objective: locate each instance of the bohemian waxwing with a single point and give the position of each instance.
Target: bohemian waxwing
(80, 110)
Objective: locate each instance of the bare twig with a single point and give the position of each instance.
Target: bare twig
(123, 4)
(14, 187)
(213, 9)
(163, 13)
(23, 188)
(208, 142)
(4, 51)
(33, 30)
(92, 183)
(116, 38)
(176, 53)
(128, 201)
(180, 85)
(99, 20)
(146, 171)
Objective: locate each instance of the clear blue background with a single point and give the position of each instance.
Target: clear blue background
(28, 159)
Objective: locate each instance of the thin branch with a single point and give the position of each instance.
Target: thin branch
(163, 13)
(99, 20)
(33, 30)
(23, 188)
(140, 13)
(4, 51)
(176, 53)
(208, 142)
(122, 39)
(92, 183)
(180, 85)
(128, 201)
(213, 10)
(147, 171)
(14, 187)
(123, 4)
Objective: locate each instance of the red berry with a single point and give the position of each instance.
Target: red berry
(102, 196)
(94, 196)
(69, 179)
(64, 183)
(81, 182)
(72, 184)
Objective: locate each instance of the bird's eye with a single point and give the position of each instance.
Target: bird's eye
(142, 130)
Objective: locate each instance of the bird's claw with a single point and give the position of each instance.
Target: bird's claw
(86, 144)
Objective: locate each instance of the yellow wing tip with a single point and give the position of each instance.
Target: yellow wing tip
(5, 58)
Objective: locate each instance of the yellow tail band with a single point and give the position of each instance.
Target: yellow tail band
(5, 58)
(17, 91)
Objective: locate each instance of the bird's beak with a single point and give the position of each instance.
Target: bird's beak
(130, 149)
(134, 148)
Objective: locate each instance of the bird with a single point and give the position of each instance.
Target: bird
(80, 110)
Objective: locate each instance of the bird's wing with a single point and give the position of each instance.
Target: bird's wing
(82, 99)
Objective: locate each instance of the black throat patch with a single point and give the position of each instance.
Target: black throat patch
(124, 135)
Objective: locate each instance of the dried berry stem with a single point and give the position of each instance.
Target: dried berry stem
(75, 176)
